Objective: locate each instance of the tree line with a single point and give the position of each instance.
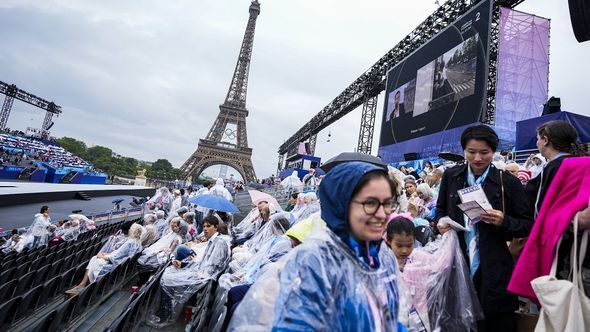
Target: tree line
(102, 158)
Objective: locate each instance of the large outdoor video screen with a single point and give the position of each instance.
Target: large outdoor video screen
(441, 85)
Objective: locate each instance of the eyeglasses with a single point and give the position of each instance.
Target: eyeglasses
(371, 205)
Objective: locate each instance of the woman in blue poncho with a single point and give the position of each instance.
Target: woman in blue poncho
(343, 278)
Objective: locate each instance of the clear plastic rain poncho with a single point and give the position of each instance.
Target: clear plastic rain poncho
(114, 242)
(310, 206)
(441, 294)
(72, 233)
(158, 253)
(219, 190)
(273, 248)
(334, 274)
(241, 255)
(161, 200)
(177, 285)
(247, 227)
(292, 182)
(322, 285)
(98, 267)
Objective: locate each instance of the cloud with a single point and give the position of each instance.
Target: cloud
(146, 78)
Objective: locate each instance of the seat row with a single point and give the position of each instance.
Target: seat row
(33, 273)
(100, 231)
(209, 312)
(71, 309)
(137, 305)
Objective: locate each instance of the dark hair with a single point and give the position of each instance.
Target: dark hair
(283, 223)
(44, 208)
(206, 184)
(400, 226)
(480, 133)
(562, 136)
(182, 191)
(211, 220)
(125, 227)
(14, 231)
(294, 195)
(223, 215)
(222, 229)
(374, 175)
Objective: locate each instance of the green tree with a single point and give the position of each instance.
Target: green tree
(74, 146)
(99, 153)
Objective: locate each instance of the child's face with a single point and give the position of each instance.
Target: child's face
(402, 246)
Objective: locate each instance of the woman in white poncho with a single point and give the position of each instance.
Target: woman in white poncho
(292, 182)
(103, 263)
(220, 190)
(157, 254)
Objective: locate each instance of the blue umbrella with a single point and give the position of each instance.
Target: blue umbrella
(215, 203)
(117, 200)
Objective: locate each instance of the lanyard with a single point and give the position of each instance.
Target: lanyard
(472, 181)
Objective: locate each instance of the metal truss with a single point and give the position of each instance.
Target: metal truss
(370, 83)
(13, 92)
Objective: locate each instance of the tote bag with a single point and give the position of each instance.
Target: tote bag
(565, 306)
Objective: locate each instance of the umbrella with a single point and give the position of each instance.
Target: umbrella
(352, 156)
(215, 203)
(259, 196)
(451, 156)
(117, 200)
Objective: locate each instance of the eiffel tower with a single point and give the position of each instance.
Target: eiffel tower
(227, 140)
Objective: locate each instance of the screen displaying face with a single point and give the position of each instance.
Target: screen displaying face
(442, 85)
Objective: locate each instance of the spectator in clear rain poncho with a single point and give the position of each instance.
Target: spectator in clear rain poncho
(309, 207)
(274, 246)
(189, 273)
(220, 190)
(340, 279)
(162, 200)
(117, 239)
(72, 233)
(266, 258)
(241, 254)
(103, 263)
(158, 253)
(149, 234)
(193, 232)
(39, 227)
(292, 182)
(243, 231)
(176, 203)
(82, 220)
(160, 223)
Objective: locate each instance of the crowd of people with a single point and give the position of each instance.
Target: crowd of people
(368, 247)
(18, 148)
(45, 233)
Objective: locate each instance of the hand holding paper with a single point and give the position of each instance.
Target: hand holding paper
(446, 223)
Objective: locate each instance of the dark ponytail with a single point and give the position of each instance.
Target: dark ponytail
(562, 136)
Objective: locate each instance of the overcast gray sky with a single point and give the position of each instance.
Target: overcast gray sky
(145, 78)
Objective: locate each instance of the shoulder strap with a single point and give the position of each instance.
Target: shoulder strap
(502, 189)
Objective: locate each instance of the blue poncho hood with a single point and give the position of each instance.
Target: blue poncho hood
(336, 192)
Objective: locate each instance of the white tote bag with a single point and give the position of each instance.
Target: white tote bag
(565, 306)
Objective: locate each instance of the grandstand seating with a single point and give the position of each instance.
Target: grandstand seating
(37, 278)
(54, 156)
(37, 290)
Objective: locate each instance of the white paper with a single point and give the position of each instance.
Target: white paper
(475, 193)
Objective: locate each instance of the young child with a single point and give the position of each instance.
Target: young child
(400, 238)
